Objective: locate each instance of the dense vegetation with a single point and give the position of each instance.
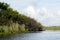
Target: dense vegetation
(12, 21)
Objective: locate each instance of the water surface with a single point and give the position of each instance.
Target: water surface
(44, 35)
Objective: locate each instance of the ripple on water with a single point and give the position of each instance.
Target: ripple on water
(45, 35)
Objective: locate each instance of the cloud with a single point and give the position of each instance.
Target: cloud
(31, 11)
(43, 15)
(46, 12)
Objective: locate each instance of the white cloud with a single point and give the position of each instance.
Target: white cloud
(43, 15)
(58, 13)
(31, 11)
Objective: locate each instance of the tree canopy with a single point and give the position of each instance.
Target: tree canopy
(7, 14)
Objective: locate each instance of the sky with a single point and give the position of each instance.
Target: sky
(47, 12)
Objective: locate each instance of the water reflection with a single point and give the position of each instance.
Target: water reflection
(45, 35)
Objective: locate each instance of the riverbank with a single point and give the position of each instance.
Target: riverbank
(13, 22)
(5, 30)
(52, 28)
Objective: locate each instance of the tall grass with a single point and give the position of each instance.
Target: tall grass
(13, 28)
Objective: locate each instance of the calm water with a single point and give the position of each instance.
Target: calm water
(45, 35)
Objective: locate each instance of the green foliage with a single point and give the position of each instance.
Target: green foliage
(14, 21)
(52, 28)
(3, 6)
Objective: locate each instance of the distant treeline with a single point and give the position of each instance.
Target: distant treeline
(51, 28)
(12, 21)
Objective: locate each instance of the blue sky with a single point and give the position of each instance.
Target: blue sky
(46, 12)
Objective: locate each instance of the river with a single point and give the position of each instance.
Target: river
(44, 35)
